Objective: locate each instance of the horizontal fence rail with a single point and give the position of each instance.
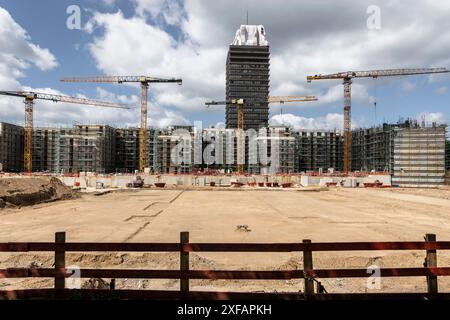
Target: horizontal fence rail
(223, 247)
(310, 275)
(220, 274)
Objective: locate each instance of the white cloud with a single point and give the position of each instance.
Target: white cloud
(136, 45)
(306, 38)
(163, 118)
(289, 88)
(132, 101)
(152, 7)
(11, 109)
(331, 121)
(16, 47)
(326, 37)
(408, 86)
(442, 90)
(432, 117)
(158, 116)
(170, 11)
(108, 3)
(154, 52)
(17, 54)
(336, 95)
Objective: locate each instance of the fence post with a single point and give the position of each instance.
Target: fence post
(112, 284)
(431, 262)
(308, 267)
(184, 262)
(60, 258)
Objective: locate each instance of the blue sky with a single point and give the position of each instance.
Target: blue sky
(189, 39)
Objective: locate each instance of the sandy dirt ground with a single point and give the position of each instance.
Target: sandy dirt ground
(271, 216)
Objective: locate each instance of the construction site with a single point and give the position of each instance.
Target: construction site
(261, 184)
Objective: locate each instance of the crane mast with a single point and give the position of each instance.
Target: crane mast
(143, 157)
(347, 125)
(347, 82)
(28, 135)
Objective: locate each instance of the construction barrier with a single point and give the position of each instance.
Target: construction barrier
(312, 286)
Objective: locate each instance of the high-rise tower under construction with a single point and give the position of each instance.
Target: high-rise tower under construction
(247, 77)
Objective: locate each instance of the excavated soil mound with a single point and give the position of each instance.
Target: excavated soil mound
(29, 191)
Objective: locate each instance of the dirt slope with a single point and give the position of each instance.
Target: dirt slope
(28, 191)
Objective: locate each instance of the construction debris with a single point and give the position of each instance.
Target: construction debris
(138, 183)
(243, 227)
(95, 283)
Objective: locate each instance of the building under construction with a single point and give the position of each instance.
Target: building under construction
(272, 152)
(11, 147)
(447, 155)
(268, 150)
(419, 156)
(416, 155)
(52, 151)
(101, 149)
(127, 150)
(83, 148)
(372, 149)
(413, 153)
(318, 151)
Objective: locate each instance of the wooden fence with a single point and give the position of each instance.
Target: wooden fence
(312, 287)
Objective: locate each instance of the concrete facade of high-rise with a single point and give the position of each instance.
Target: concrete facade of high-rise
(247, 77)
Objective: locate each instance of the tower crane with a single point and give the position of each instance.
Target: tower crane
(347, 81)
(240, 104)
(144, 81)
(29, 98)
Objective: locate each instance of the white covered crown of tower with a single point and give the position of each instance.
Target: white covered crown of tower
(250, 35)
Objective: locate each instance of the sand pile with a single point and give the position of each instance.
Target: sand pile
(18, 192)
